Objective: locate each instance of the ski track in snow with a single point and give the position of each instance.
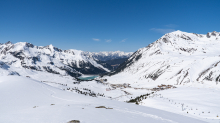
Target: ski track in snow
(145, 115)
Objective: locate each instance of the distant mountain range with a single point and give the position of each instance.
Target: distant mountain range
(104, 56)
(54, 60)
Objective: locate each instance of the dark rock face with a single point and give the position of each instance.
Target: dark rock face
(29, 45)
(19, 54)
(105, 64)
(14, 73)
(35, 59)
(189, 50)
(103, 107)
(116, 61)
(100, 107)
(156, 74)
(88, 68)
(4, 66)
(9, 42)
(112, 64)
(106, 58)
(74, 121)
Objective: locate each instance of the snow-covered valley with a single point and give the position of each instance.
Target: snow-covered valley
(174, 79)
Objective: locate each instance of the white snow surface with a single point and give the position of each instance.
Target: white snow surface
(197, 102)
(25, 100)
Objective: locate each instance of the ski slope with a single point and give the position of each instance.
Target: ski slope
(24, 100)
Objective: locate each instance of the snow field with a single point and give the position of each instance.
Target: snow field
(25, 100)
(197, 102)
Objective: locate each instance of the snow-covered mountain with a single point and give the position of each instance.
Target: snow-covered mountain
(188, 61)
(49, 59)
(104, 56)
(176, 58)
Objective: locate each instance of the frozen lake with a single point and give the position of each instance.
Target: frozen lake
(87, 77)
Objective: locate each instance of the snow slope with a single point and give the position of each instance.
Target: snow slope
(197, 102)
(176, 58)
(24, 100)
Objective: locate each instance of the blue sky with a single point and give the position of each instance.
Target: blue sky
(103, 25)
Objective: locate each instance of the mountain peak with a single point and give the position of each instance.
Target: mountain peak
(50, 45)
(177, 32)
(214, 33)
(9, 42)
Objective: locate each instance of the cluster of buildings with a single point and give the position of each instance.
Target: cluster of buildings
(163, 87)
(125, 85)
(113, 86)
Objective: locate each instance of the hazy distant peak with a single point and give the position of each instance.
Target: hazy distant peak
(9, 42)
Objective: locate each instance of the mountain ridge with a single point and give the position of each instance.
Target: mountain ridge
(174, 57)
(49, 59)
(53, 60)
(109, 55)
